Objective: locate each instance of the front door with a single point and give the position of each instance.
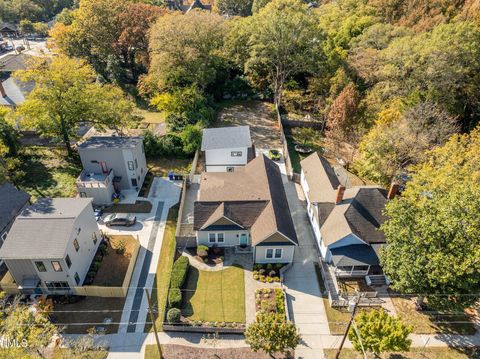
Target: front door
(243, 239)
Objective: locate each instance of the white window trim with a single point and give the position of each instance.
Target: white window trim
(216, 237)
(236, 153)
(4, 236)
(273, 253)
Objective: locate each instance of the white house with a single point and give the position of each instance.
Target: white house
(110, 164)
(227, 148)
(345, 221)
(51, 245)
(248, 210)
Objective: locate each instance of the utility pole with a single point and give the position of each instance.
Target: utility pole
(152, 318)
(355, 304)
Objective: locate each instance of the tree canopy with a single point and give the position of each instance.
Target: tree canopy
(66, 95)
(437, 216)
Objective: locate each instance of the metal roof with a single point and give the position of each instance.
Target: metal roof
(354, 255)
(226, 137)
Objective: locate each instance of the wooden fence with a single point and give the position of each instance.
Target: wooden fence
(111, 292)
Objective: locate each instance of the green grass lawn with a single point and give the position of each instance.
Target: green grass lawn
(48, 172)
(164, 268)
(151, 352)
(160, 166)
(414, 353)
(215, 296)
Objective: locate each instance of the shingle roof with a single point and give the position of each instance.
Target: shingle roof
(359, 213)
(252, 196)
(110, 142)
(226, 137)
(15, 91)
(11, 202)
(354, 255)
(43, 229)
(14, 62)
(321, 178)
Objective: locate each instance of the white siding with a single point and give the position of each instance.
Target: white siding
(219, 160)
(232, 238)
(346, 241)
(287, 254)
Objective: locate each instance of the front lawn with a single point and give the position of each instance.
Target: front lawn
(164, 268)
(215, 296)
(64, 353)
(428, 323)
(414, 353)
(89, 312)
(48, 172)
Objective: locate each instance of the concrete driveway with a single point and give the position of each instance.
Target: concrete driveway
(305, 303)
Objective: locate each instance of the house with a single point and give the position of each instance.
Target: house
(185, 8)
(12, 91)
(12, 202)
(247, 210)
(51, 245)
(8, 30)
(345, 221)
(110, 164)
(227, 148)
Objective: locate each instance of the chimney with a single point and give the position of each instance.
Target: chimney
(340, 193)
(2, 90)
(392, 191)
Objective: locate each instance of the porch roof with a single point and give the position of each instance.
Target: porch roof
(354, 255)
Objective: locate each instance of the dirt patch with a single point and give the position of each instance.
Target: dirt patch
(87, 313)
(137, 207)
(115, 263)
(160, 166)
(261, 118)
(184, 352)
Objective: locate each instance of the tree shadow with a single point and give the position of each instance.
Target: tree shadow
(190, 287)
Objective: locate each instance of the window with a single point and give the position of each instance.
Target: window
(68, 261)
(278, 253)
(236, 153)
(136, 164)
(94, 238)
(56, 266)
(269, 253)
(211, 237)
(4, 236)
(77, 278)
(41, 267)
(83, 194)
(220, 238)
(57, 285)
(130, 165)
(76, 245)
(93, 161)
(230, 169)
(134, 182)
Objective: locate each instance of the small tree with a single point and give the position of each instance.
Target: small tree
(377, 332)
(272, 334)
(191, 138)
(306, 135)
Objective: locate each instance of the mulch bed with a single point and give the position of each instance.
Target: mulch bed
(179, 351)
(137, 207)
(215, 256)
(147, 184)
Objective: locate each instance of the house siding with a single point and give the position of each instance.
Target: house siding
(218, 160)
(346, 241)
(232, 238)
(287, 255)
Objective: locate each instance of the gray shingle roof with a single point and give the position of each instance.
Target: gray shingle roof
(15, 91)
(11, 202)
(43, 229)
(226, 137)
(110, 142)
(354, 255)
(321, 178)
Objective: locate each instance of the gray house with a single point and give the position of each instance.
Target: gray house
(227, 148)
(12, 202)
(110, 164)
(248, 210)
(346, 221)
(51, 245)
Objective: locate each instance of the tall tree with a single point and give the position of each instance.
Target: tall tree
(376, 332)
(281, 40)
(185, 50)
(272, 334)
(66, 95)
(433, 230)
(234, 7)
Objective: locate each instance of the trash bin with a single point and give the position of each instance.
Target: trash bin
(171, 176)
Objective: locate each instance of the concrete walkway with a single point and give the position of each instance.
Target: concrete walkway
(163, 195)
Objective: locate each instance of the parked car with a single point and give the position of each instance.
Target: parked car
(120, 219)
(8, 47)
(20, 48)
(274, 155)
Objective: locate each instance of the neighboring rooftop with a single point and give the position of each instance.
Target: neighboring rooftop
(226, 137)
(321, 177)
(11, 202)
(110, 142)
(43, 229)
(15, 92)
(14, 62)
(252, 197)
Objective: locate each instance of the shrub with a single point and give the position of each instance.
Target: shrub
(205, 260)
(256, 276)
(262, 271)
(257, 267)
(179, 272)
(272, 273)
(269, 279)
(175, 298)
(278, 266)
(222, 258)
(269, 266)
(121, 247)
(255, 273)
(276, 279)
(174, 315)
(91, 273)
(279, 301)
(202, 251)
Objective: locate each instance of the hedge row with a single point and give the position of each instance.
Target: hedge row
(175, 298)
(179, 272)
